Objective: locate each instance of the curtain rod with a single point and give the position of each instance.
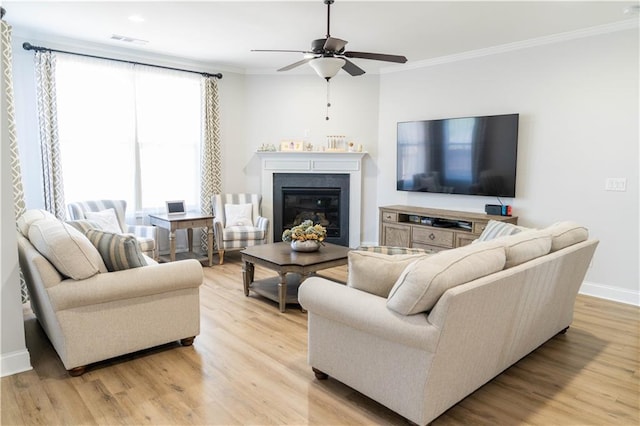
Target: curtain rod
(29, 46)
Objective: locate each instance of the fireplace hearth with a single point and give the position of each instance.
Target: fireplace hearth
(322, 198)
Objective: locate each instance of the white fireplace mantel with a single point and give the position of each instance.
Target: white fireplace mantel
(315, 162)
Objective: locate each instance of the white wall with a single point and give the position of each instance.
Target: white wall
(578, 105)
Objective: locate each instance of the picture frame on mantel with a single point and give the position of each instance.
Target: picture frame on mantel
(291, 146)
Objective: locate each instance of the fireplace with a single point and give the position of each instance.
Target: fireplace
(322, 198)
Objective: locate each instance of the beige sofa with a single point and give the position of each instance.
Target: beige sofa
(418, 333)
(91, 314)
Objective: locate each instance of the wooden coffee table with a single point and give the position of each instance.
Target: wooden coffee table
(292, 268)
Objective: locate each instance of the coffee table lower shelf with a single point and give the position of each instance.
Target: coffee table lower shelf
(268, 288)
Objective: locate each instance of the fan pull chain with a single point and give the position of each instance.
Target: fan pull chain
(328, 99)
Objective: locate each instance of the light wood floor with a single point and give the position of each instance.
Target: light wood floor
(248, 366)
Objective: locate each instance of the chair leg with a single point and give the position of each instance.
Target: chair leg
(320, 375)
(187, 341)
(77, 371)
(221, 254)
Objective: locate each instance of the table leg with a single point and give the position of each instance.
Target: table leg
(172, 245)
(210, 244)
(190, 239)
(282, 291)
(247, 276)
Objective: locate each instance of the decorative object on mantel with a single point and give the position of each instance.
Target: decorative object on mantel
(335, 143)
(267, 148)
(305, 237)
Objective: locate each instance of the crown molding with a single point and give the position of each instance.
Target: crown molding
(519, 45)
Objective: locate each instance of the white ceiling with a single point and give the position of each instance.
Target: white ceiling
(223, 33)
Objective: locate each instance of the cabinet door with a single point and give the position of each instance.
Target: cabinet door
(464, 239)
(395, 235)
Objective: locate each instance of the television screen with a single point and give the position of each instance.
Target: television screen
(471, 155)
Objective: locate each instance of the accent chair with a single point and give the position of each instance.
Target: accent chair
(146, 235)
(237, 222)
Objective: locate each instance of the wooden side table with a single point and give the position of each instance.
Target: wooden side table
(186, 221)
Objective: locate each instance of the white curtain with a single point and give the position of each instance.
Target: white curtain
(211, 161)
(129, 132)
(53, 190)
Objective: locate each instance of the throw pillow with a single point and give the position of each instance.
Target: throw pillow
(525, 246)
(423, 282)
(66, 248)
(495, 229)
(107, 220)
(83, 225)
(565, 234)
(238, 214)
(376, 273)
(118, 251)
(31, 216)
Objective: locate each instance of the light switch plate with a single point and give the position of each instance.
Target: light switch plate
(615, 184)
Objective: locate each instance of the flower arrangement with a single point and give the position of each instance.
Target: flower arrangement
(306, 231)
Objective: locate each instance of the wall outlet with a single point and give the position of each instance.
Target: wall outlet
(615, 184)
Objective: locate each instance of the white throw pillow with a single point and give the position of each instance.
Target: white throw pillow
(31, 216)
(376, 273)
(107, 220)
(238, 214)
(70, 252)
(424, 281)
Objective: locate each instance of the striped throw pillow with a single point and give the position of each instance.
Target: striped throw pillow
(495, 229)
(118, 251)
(83, 225)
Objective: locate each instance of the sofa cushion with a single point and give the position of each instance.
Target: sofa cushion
(525, 246)
(565, 234)
(107, 220)
(66, 248)
(495, 229)
(118, 251)
(238, 214)
(244, 233)
(31, 216)
(423, 282)
(376, 273)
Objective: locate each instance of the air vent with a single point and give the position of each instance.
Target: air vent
(126, 39)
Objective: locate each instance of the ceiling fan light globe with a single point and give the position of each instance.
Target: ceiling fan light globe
(327, 67)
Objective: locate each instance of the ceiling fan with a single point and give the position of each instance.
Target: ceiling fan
(327, 55)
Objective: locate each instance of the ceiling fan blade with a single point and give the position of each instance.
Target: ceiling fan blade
(278, 50)
(352, 68)
(376, 56)
(295, 64)
(334, 44)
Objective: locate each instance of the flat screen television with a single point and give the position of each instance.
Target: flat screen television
(470, 155)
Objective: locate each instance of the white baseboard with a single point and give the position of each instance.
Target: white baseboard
(15, 362)
(608, 292)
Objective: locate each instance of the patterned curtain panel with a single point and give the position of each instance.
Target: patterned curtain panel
(45, 64)
(211, 173)
(16, 176)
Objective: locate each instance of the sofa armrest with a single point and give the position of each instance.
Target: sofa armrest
(262, 223)
(127, 284)
(366, 312)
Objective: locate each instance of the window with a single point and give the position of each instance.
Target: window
(128, 132)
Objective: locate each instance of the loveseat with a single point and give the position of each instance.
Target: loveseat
(100, 301)
(418, 333)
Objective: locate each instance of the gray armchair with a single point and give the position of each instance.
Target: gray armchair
(242, 234)
(146, 235)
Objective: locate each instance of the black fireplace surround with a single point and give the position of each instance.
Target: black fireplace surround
(322, 198)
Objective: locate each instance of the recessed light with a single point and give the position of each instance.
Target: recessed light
(136, 18)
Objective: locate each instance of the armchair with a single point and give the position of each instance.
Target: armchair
(244, 227)
(146, 235)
